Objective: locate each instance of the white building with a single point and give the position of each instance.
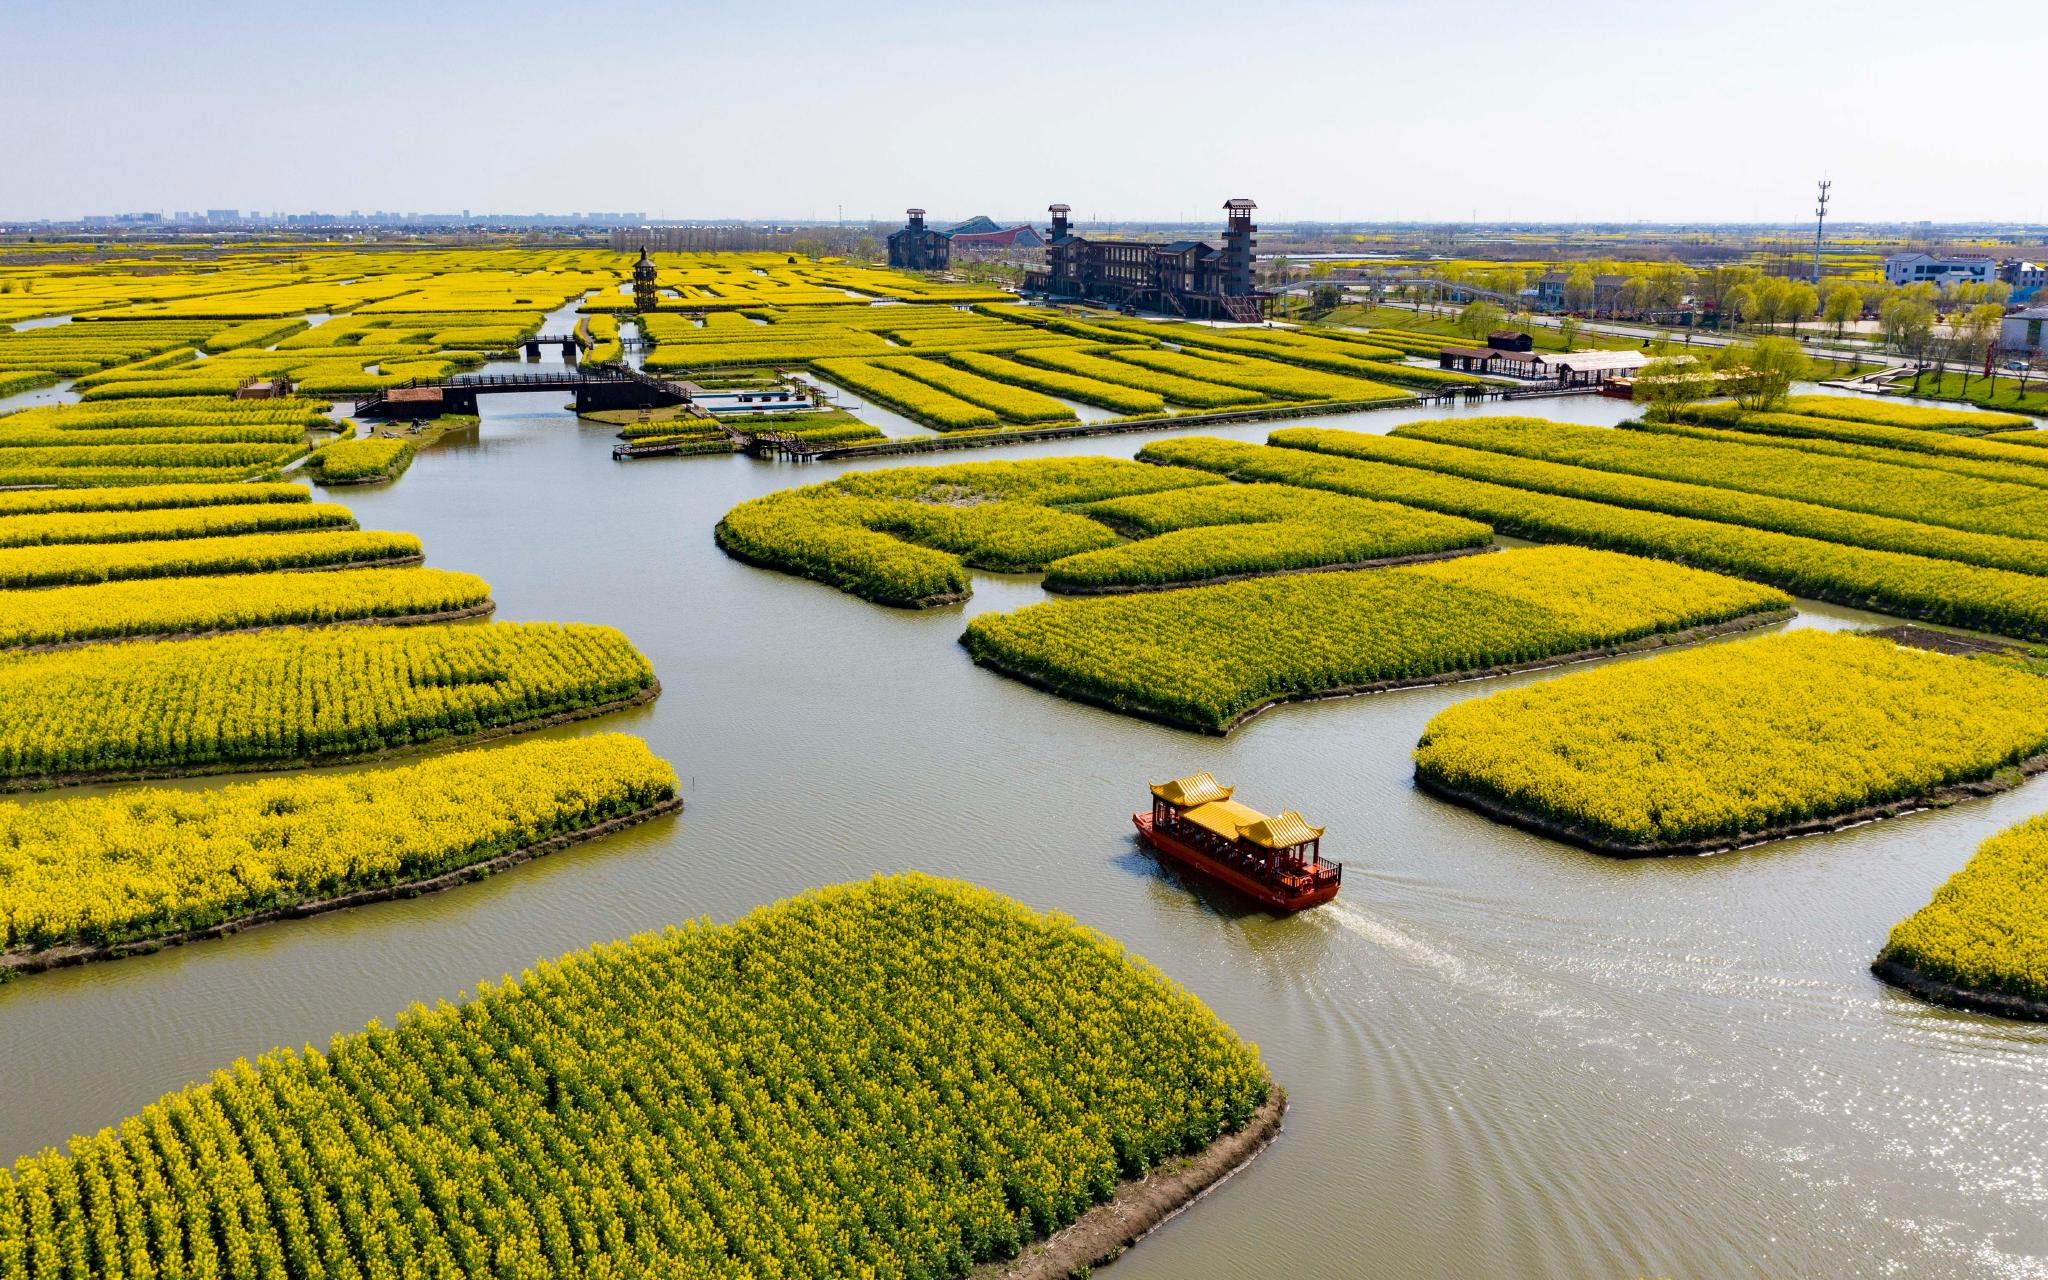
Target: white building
(2026, 278)
(1927, 268)
(1590, 368)
(2025, 331)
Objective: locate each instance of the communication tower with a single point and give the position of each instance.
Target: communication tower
(1820, 224)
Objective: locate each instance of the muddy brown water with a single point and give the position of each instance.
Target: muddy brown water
(1506, 1057)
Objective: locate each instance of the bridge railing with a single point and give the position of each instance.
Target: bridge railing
(583, 375)
(539, 381)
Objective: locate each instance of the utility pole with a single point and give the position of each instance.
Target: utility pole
(1820, 223)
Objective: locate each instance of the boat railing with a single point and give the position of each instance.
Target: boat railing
(1235, 853)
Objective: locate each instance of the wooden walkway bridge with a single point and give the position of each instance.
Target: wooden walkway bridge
(603, 386)
(567, 342)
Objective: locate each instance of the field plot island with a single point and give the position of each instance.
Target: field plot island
(905, 536)
(1739, 743)
(1211, 658)
(695, 1040)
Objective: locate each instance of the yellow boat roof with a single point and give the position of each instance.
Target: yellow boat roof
(1227, 818)
(1195, 789)
(1283, 832)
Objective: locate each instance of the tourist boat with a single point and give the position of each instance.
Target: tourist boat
(1278, 861)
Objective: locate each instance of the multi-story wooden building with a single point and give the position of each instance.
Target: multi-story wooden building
(916, 247)
(1185, 277)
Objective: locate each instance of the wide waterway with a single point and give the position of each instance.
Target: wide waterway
(1506, 1057)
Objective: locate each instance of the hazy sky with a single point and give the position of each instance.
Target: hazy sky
(1538, 109)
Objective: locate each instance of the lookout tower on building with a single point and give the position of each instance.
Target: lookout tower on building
(1186, 277)
(916, 247)
(644, 296)
(1239, 247)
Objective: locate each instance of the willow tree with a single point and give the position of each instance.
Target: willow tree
(1761, 372)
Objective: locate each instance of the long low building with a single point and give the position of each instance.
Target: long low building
(1589, 368)
(1568, 368)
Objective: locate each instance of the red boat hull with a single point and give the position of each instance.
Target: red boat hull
(1277, 897)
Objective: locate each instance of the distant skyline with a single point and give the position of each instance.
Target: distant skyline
(1571, 111)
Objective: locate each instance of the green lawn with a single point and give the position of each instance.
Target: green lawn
(2003, 392)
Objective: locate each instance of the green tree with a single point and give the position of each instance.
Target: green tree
(1770, 302)
(1907, 322)
(1634, 297)
(1480, 318)
(1568, 331)
(1762, 371)
(1580, 289)
(1668, 385)
(1741, 302)
(1844, 302)
(1714, 285)
(1974, 334)
(1508, 282)
(1797, 301)
(1669, 283)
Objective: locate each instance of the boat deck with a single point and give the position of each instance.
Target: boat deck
(1288, 885)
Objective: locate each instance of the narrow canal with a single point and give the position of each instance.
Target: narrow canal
(1506, 1057)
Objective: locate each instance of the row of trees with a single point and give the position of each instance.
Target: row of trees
(1482, 317)
(1745, 296)
(1912, 326)
(1911, 322)
(1758, 373)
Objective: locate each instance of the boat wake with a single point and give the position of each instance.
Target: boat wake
(1463, 972)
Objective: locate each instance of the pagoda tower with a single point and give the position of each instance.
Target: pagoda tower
(644, 297)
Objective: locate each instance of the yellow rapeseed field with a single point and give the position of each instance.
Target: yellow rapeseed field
(897, 1079)
(1737, 739)
(295, 696)
(143, 863)
(230, 602)
(1986, 929)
